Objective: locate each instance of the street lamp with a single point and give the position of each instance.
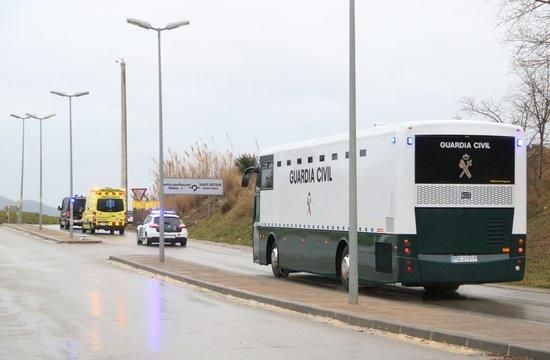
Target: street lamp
(20, 212)
(353, 281)
(170, 26)
(40, 206)
(70, 150)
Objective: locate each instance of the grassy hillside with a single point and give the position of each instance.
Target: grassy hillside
(28, 218)
(229, 227)
(538, 251)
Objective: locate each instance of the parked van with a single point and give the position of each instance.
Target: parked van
(79, 203)
(105, 210)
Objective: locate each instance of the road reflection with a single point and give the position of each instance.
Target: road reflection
(95, 305)
(154, 310)
(96, 311)
(95, 340)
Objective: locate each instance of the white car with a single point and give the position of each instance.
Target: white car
(174, 229)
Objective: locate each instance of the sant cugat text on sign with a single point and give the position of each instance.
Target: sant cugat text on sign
(193, 186)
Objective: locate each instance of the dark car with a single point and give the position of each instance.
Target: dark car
(79, 204)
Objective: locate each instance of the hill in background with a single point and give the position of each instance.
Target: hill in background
(29, 206)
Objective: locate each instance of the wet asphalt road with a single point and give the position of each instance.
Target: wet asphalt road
(522, 303)
(67, 302)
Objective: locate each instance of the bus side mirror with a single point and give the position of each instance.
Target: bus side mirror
(59, 208)
(246, 179)
(246, 176)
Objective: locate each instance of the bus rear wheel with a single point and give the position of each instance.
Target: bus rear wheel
(278, 272)
(343, 273)
(441, 289)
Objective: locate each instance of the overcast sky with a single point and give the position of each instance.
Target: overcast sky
(267, 71)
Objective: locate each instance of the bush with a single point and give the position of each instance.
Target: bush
(202, 161)
(245, 161)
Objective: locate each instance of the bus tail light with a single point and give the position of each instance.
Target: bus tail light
(406, 247)
(409, 266)
(519, 262)
(521, 246)
(505, 250)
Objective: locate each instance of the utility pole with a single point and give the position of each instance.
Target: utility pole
(20, 207)
(353, 254)
(40, 198)
(71, 195)
(170, 26)
(123, 132)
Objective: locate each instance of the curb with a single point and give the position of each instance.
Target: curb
(51, 238)
(458, 339)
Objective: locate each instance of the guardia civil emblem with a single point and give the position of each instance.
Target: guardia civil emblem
(465, 164)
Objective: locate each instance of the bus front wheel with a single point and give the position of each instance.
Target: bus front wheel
(278, 272)
(344, 268)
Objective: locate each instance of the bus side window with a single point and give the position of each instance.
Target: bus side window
(267, 175)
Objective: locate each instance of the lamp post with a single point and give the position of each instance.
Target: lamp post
(123, 133)
(353, 283)
(70, 151)
(170, 26)
(40, 200)
(20, 212)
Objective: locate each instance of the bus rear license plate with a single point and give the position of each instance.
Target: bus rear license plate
(464, 259)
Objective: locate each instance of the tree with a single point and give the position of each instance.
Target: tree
(487, 109)
(244, 161)
(527, 25)
(528, 107)
(535, 93)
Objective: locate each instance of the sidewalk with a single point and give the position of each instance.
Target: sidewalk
(54, 235)
(489, 333)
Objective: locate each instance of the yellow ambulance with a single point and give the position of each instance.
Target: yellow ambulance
(105, 210)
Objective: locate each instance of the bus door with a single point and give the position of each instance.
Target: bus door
(256, 214)
(256, 222)
(264, 182)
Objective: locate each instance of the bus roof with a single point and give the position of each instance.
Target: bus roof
(390, 130)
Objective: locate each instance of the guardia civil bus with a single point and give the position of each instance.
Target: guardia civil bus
(440, 204)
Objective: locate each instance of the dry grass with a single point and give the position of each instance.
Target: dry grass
(538, 251)
(538, 233)
(214, 218)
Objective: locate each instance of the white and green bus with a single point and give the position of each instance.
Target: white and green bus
(440, 204)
